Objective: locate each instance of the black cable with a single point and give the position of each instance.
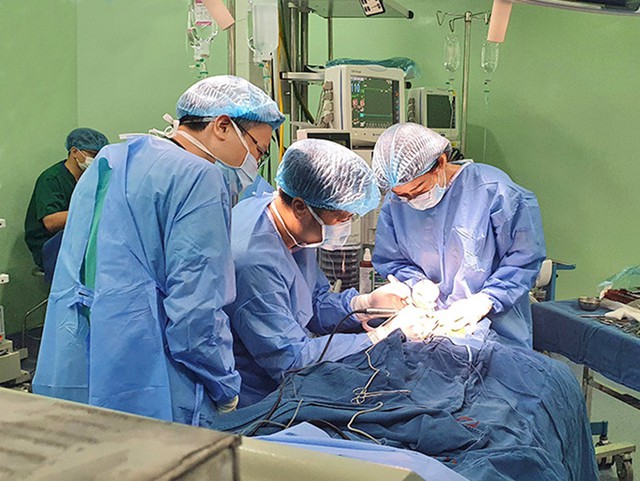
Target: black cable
(289, 374)
(321, 423)
(287, 55)
(271, 412)
(335, 330)
(456, 154)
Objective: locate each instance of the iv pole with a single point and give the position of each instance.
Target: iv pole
(468, 17)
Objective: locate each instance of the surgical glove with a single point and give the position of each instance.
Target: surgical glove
(466, 313)
(228, 407)
(410, 320)
(390, 296)
(425, 294)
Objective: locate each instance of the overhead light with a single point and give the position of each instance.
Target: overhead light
(499, 20)
(615, 7)
(502, 10)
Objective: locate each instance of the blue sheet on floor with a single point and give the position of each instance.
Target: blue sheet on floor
(493, 413)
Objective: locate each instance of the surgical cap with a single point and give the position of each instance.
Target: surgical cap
(86, 139)
(406, 151)
(329, 176)
(229, 95)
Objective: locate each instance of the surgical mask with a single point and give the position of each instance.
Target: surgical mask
(286, 229)
(333, 236)
(248, 171)
(431, 198)
(84, 164)
(239, 178)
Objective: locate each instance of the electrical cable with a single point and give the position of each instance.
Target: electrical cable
(294, 88)
(370, 311)
(289, 374)
(321, 423)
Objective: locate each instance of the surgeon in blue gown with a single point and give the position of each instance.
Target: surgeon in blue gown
(135, 320)
(465, 226)
(284, 311)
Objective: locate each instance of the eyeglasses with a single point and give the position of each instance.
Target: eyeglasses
(263, 153)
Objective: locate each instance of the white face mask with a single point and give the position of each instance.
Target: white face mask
(333, 236)
(431, 198)
(84, 164)
(239, 178)
(248, 171)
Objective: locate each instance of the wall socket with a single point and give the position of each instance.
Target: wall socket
(3, 223)
(4, 278)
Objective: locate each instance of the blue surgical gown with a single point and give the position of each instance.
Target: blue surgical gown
(151, 337)
(282, 300)
(485, 236)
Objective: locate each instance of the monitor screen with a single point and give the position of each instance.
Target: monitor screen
(440, 115)
(375, 102)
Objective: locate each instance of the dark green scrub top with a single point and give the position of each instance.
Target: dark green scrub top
(51, 194)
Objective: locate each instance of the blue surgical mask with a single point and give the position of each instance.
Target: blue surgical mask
(333, 236)
(431, 198)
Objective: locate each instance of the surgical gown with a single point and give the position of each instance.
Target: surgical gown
(151, 337)
(282, 300)
(485, 236)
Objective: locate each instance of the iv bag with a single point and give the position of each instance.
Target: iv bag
(489, 57)
(264, 26)
(201, 30)
(452, 53)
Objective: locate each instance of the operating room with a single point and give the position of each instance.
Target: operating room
(556, 112)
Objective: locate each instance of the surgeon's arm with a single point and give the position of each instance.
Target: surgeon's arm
(199, 282)
(517, 226)
(262, 318)
(387, 256)
(329, 308)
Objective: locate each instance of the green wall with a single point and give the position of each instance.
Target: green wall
(132, 62)
(563, 122)
(38, 107)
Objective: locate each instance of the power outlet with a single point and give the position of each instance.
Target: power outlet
(3, 223)
(4, 278)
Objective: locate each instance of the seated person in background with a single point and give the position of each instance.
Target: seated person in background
(466, 227)
(284, 310)
(49, 205)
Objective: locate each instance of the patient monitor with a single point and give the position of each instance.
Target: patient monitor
(436, 109)
(367, 99)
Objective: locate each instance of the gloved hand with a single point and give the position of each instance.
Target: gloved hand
(411, 321)
(466, 313)
(228, 407)
(390, 296)
(425, 294)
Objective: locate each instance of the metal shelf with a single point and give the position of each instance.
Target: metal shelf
(302, 76)
(349, 9)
